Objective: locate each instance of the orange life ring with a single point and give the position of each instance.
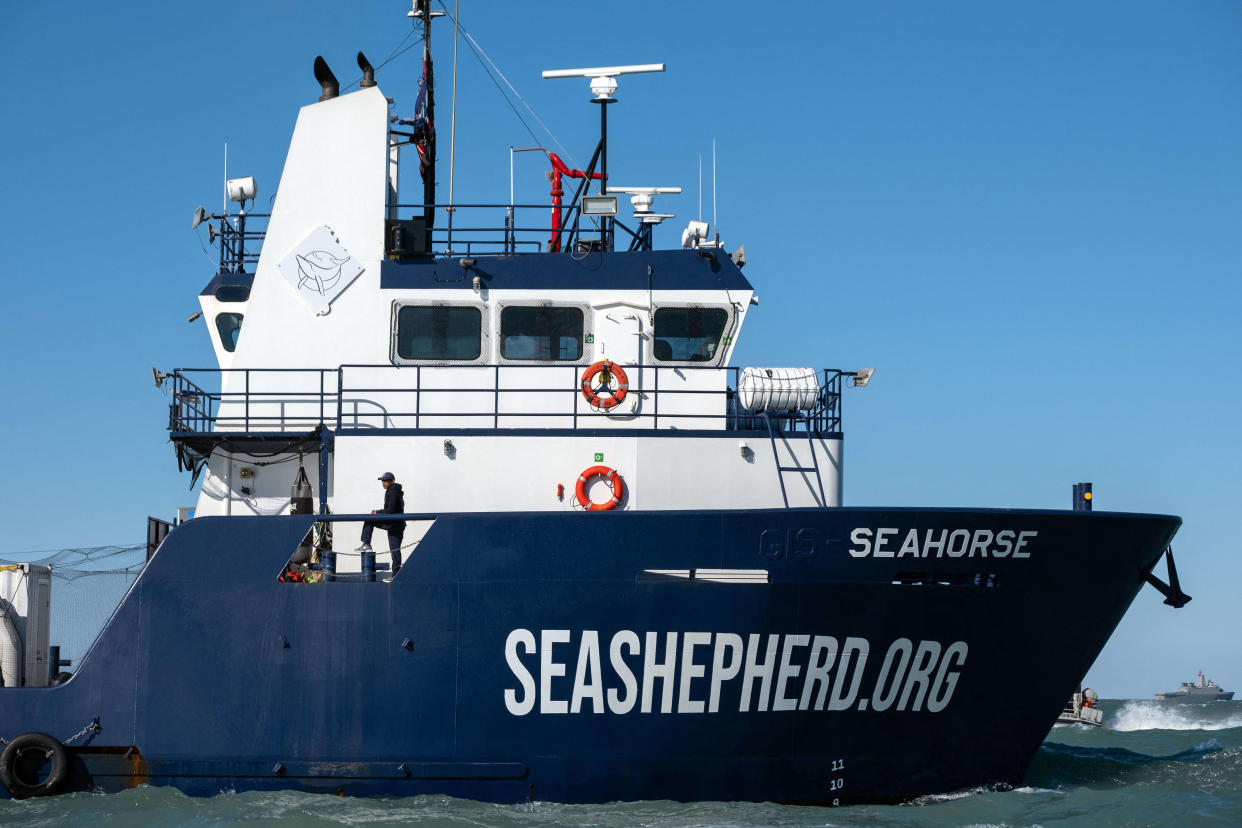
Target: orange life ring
(609, 370)
(614, 481)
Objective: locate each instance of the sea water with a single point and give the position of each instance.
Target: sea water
(1151, 763)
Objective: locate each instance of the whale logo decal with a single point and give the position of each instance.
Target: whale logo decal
(319, 271)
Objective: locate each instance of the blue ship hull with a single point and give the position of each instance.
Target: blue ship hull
(212, 675)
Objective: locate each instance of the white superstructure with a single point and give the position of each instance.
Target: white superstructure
(463, 375)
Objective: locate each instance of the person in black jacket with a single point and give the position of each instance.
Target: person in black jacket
(394, 504)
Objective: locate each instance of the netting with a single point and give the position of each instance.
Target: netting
(87, 585)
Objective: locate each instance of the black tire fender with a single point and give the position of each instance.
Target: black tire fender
(29, 744)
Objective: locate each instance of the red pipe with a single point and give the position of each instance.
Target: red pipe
(559, 169)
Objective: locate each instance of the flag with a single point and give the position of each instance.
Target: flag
(424, 129)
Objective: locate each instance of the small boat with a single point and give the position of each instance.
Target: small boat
(1201, 690)
(1082, 708)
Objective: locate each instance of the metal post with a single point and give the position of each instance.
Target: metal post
(429, 180)
(241, 241)
(340, 396)
(327, 556)
(603, 169)
(325, 451)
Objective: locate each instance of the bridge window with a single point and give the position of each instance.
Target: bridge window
(541, 333)
(688, 334)
(233, 293)
(439, 332)
(228, 325)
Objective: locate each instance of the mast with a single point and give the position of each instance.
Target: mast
(429, 178)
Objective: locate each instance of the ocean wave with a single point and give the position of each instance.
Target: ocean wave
(1151, 715)
(1208, 767)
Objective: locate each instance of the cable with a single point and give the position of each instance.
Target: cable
(393, 56)
(483, 56)
(354, 553)
(199, 236)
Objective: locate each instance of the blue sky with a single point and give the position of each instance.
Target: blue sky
(1025, 216)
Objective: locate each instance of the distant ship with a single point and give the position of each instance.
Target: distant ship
(1082, 708)
(1201, 690)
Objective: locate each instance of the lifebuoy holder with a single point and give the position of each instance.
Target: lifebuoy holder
(611, 477)
(607, 371)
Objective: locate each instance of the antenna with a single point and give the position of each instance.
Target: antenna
(453, 125)
(715, 223)
(700, 186)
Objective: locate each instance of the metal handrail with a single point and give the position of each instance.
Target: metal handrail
(196, 411)
(241, 235)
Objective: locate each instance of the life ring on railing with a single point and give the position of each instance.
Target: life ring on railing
(614, 482)
(34, 744)
(609, 370)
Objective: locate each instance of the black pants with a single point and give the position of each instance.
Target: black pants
(394, 541)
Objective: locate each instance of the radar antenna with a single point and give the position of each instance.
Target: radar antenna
(603, 85)
(642, 198)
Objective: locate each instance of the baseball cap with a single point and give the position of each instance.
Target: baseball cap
(387, 476)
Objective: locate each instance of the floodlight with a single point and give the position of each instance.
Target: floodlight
(241, 189)
(200, 215)
(862, 377)
(694, 234)
(599, 205)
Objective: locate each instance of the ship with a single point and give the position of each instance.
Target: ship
(1082, 708)
(1202, 689)
(627, 571)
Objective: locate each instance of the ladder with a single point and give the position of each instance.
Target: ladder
(782, 470)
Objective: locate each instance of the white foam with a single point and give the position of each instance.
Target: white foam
(1152, 715)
